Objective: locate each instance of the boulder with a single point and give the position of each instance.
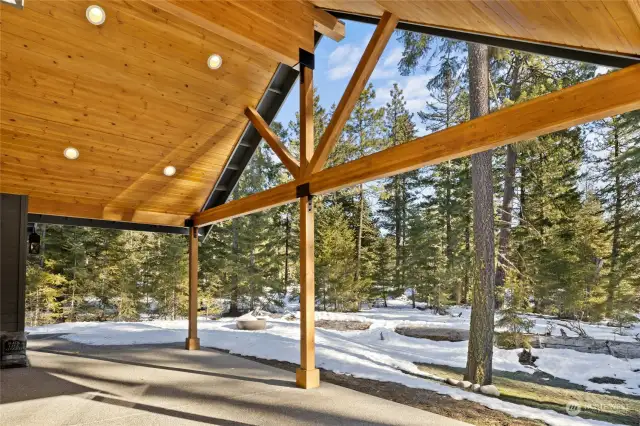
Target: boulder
(475, 387)
(452, 382)
(464, 384)
(489, 390)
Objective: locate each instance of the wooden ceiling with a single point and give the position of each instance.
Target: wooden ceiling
(601, 25)
(135, 94)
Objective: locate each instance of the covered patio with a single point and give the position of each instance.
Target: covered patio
(164, 385)
(159, 106)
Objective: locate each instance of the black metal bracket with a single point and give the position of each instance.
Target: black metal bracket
(303, 190)
(188, 223)
(307, 59)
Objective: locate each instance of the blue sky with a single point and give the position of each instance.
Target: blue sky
(336, 61)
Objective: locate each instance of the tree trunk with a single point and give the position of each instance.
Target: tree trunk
(509, 188)
(73, 289)
(505, 218)
(233, 303)
(480, 353)
(286, 254)
(359, 241)
(398, 230)
(617, 215)
(467, 250)
(449, 231)
(403, 233)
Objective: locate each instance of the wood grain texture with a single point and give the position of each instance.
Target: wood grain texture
(273, 141)
(604, 96)
(192, 341)
(132, 95)
(306, 118)
(307, 376)
(274, 29)
(599, 25)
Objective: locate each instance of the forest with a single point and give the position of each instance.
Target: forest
(566, 218)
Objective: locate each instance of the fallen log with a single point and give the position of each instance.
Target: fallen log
(628, 350)
(431, 333)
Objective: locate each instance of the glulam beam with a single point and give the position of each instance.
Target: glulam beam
(273, 141)
(601, 97)
(307, 376)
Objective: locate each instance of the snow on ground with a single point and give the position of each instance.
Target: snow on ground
(377, 353)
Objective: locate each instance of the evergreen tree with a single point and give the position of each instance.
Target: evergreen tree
(397, 192)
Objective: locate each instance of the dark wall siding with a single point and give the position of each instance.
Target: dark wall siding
(13, 255)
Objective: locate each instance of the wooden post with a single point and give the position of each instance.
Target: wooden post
(192, 342)
(307, 376)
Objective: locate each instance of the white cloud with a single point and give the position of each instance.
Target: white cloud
(393, 58)
(414, 89)
(380, 73)
(343, 60)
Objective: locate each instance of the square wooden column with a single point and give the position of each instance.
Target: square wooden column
(307, 376)
(192, 342)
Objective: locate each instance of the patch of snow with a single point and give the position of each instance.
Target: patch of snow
(364, 354)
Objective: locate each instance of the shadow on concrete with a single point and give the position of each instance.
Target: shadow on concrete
(277, 407)
(272, 382)
(15, 385)
(168, 412)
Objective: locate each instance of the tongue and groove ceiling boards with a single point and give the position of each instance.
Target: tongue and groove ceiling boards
(135, 94)
(611, 26)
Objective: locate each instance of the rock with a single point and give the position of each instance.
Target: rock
(475, 387)
(489, 390)
(464, 384)
(452, 382)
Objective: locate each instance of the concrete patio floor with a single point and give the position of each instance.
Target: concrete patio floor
(71, 384)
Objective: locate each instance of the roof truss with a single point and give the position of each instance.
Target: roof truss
(604, 96)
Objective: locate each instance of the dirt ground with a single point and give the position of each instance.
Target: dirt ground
(547, 392)
(463, 410)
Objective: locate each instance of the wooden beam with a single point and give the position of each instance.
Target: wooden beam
(193, 342)
(353, 91)
(267, 34)
(327, 24)
(306, 120)
(274, 141)
(307, 376)
(57, 207)
(604, 96)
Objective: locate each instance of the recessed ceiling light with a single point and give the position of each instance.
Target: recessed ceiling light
(96, 15)
(215, 61)
(71, 153)
(169, 171)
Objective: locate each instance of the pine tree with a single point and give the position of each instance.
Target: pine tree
(397, 191)
(361, 137)
(480, 353)
(620, 173)
(450, 178)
